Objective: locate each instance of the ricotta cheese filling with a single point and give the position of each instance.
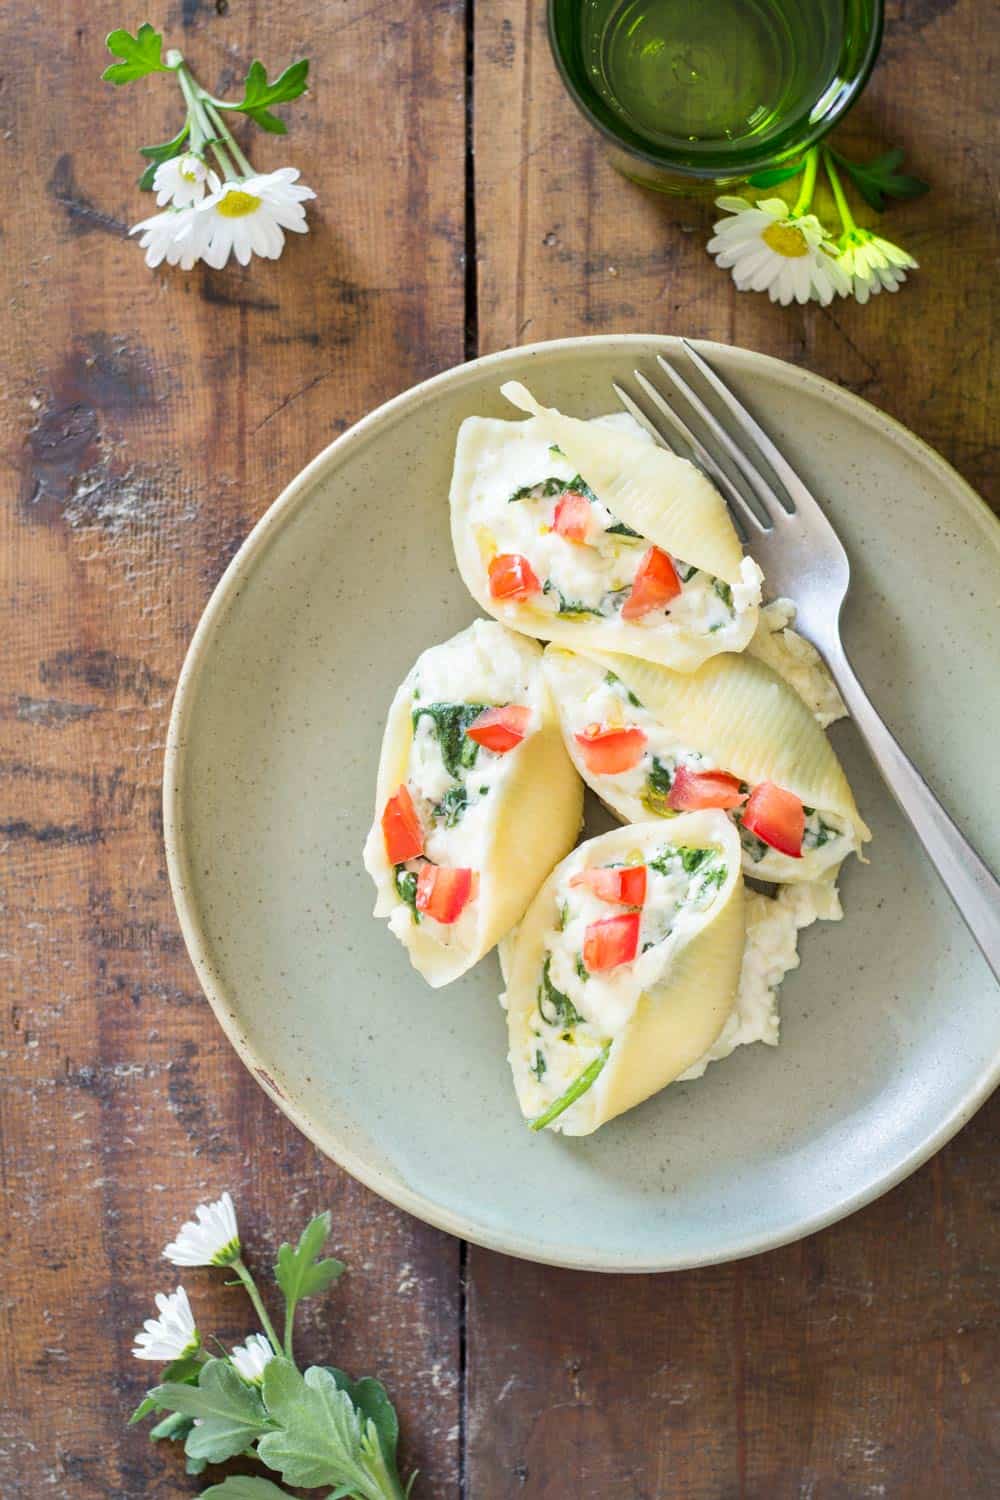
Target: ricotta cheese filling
(580, 1007)
(641, 792)
(454, 782)
(523, 483)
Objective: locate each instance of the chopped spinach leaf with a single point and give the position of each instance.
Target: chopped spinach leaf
(452, 805)
(613, 680)
(620, 529)
(562, 916)
(817, 832)
(571, 606)
(691, 859)
(578, 1087)
(545, 489)
(539, 1067)
(405, 882)
(685, 572)
(450, 721)
(556, 451)
(724, 592)
(713, 879)
(658, 783)
(581, 969)
(752, 845)
(564, 1012)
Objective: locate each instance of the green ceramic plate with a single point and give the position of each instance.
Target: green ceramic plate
(890, 1028)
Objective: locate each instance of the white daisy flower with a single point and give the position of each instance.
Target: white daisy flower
(769, 247)
(183, 181)
(210, 1239)
(247, 217)
(160, 238)
(251, 1358)
(872, 264)
(173, 1334)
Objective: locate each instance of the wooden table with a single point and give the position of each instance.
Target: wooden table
(149, 419)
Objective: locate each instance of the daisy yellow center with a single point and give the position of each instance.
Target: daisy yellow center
(785, 239)
(237, 205)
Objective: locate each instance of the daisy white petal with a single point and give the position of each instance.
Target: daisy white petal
(252, 1358)
(173, 1334)
(242, 215)
(163, 237)
(211, 1238)
(870, 264)
(770, 248)
(183, 180)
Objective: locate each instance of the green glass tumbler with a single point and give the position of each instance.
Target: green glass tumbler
(694, 95)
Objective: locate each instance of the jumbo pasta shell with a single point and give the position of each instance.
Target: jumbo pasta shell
(533, 813)
(668, 502)
(738, 714)
(674, 1022)
(657, 493)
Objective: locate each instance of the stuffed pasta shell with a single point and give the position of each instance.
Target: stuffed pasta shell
(476, 799)
(591, 535)
(732, 736)
(625, 969)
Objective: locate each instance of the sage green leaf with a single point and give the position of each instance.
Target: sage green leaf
(372, 1400)
(299, 1272)
(185, 1369)
(322, 1439)
(140, 54)
(245, 1487)
(259, 94)
(231, 1412)
(175, 1427)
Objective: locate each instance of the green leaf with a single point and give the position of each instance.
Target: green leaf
(323, 1439)
(140, 54)
(185, 1369)
(771, 176)
(878, 179)
(299, 1272)
(372, 1400)
(231, 1412)
(244, 1487)
(175, 1427)
(259, 95)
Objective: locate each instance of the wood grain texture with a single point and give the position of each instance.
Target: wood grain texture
(147, 421)
(861, 1362)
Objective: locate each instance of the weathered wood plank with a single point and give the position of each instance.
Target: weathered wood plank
(857, 1363)
(148, 420)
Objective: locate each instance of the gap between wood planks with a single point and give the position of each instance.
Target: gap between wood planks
(470, 349)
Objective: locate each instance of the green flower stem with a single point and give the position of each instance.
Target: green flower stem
(847, 223)
(251, 1290)
(203, 133)
(804, 201)
(220, 125)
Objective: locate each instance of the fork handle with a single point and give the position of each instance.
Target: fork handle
(968, 880)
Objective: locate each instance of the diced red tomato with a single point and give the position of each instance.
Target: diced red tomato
(655, 584)
(500, 729)
(610, 942)
(606, 751)
(573, 516)
(777, 817)
(404, 837)
(512, 577)
(692, 790)
(626, 886)
(443, 893)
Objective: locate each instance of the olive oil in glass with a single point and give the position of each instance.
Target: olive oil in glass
(713, 89)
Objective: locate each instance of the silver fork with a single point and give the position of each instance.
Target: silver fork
(802, 557)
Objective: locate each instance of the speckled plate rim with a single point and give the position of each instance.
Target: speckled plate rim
(281, 1089)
